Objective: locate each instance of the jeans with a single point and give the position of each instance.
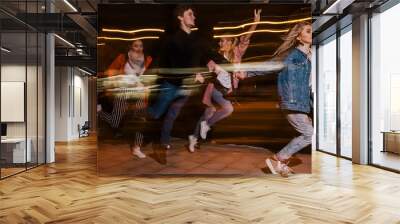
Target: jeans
(208, 113)
(173, 98)
(211, 115)
(303, 124)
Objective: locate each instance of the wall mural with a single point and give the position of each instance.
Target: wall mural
(204, 89)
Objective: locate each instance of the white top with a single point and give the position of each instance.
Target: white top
(224, 78)
(134, 65)
(129, 70)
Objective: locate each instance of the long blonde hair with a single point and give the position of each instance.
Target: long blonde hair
(231, 52)
(290, 40)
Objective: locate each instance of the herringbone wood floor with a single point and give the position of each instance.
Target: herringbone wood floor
(69, 191)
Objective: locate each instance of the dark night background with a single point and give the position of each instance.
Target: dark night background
(257, 120)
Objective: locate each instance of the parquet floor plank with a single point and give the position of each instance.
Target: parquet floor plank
(70, 191)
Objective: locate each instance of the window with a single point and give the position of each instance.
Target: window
(385, 89)
(346, 92)
(327, 96)
(22, 76)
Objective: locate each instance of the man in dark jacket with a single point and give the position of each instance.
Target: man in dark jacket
(183, 56)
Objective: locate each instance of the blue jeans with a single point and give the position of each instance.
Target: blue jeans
(211, 115)
(171, 98)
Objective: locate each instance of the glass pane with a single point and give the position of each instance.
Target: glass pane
(385, 84)
(41, 98)
(346, 94)
(327, 96)
(13, 86)
(31, 97)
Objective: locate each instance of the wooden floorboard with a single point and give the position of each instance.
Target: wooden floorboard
(70, 191)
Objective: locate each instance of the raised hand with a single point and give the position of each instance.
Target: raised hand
(257, 15)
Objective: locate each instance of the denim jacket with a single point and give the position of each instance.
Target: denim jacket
(293, 82)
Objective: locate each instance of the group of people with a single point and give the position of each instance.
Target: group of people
(186, 59)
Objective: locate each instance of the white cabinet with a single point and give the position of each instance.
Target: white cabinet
(17, 147)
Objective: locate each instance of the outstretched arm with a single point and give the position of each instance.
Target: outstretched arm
(257, 17)
(244, 40)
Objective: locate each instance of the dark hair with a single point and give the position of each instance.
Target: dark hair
(131, 43)
(180, 9)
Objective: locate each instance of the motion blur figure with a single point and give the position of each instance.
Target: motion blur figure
(232, 49)
(132, 65)
(183, 50)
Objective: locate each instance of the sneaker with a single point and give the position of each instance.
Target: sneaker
(273, 165)
(278, 167)
(137, 152)
(166, 146)
(99, 107)
(204, 128)
(192, 143)
(285, 170)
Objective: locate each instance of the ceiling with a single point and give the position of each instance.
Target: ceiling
(78, 24)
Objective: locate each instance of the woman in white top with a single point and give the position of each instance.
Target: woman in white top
(232, 49)
(136, 65)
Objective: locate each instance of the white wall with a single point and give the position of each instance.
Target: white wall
(15, 72)
(81, 83)
(33, 127)
(62, 82)
(71, 94)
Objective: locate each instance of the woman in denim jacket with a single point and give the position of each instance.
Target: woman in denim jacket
(294, 93)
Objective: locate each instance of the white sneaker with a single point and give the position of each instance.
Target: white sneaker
(166, 146)
(204, 128)
(273, 165)
(192, 143)
(137, 152)
(99, 107)
(285, 170)
(278, 167)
